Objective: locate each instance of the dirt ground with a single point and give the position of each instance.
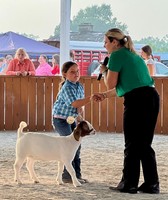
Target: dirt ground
(102, 159)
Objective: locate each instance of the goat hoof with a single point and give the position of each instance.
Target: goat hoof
(77, 185)
(60, 183)
(18, 182)
(36, 182)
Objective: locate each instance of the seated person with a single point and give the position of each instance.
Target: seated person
(55, 64)
(21, 64)
(2, 59)
(8, 58)
(44, 69)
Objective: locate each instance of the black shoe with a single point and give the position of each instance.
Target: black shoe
(131, 190)
(151, 189)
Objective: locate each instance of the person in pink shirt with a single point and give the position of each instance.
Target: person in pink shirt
(55, 64)
(21, 65)
(44, 69)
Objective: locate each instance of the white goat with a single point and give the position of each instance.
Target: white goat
(37, 146)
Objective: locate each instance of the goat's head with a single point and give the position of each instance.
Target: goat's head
(83, 128)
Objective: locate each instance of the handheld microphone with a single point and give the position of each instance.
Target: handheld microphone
(105, 62)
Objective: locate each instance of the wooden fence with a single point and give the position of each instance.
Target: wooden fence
(31, 99)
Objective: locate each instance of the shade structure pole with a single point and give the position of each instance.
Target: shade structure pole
(65, 31)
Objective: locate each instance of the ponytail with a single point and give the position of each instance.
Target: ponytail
(124, 40)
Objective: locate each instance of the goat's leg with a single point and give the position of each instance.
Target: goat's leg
(60, 171)
(71, 171)
(30, 167)
(17, 166)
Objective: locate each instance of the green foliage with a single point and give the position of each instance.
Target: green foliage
(31, 36)
(56, 33)
(101, 17)
(157, 45)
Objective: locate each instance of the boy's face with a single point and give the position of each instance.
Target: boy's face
(72, 74)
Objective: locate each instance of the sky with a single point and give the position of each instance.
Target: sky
(40, 17)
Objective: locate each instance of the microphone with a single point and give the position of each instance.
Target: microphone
(105, 62)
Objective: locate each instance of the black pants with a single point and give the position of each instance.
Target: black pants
(141, 107)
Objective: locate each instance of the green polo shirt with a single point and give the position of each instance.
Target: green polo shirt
(133, 72)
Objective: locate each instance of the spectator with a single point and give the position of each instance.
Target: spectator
(8, 58)
(44, 69)
(55, 64)
(2, 59)
(72, 56)
(146, 54)
(21, 64)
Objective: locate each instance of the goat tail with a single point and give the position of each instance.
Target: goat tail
(22, 125)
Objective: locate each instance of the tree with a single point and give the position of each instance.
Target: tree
(31, 36)
(101, 17)
(158, 45)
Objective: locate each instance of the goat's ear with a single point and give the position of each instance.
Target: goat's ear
(84, 125)
(77, 133)
(84, 128)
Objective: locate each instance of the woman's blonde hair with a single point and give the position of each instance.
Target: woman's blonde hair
(124, 40)
(21, 50)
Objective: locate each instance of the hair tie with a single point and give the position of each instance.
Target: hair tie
(125, 38)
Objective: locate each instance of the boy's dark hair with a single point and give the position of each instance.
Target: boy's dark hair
(65, 67)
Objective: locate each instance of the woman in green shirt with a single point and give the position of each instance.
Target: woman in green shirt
(128, 77)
